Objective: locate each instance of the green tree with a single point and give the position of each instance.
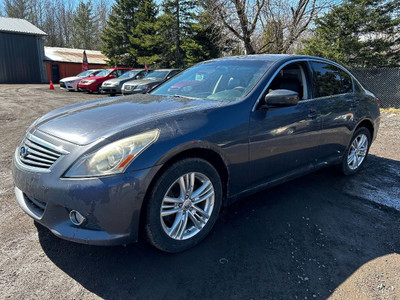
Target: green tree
(145, 40)
(189, 33)
(359, 33)
(83, 27)
(175, 27)
(206, 39)
(122, 21)
(274, 37)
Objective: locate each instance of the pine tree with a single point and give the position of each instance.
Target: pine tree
(83, 27)
(175, 26)
(359, 33)
(204, 41)
(122, 21)
(144, 39)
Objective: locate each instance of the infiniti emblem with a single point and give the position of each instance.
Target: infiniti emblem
(23, 152)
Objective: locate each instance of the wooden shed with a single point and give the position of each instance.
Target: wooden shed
(65, 62)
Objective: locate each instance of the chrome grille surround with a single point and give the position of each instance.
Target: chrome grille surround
(37, 155)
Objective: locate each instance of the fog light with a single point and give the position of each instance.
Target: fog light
(76, 218)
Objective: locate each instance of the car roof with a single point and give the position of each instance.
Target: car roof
(270, 57)
(169, 70)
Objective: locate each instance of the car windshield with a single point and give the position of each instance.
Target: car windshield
(104, 73)
(129, 74)
(156, 75)
(85, 73)
(226, 80)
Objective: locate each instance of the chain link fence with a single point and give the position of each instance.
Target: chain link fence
(383, 82)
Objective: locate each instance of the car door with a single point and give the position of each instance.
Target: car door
(283, 140)
(333, 88)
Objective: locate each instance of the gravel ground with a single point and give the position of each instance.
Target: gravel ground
(317, 237)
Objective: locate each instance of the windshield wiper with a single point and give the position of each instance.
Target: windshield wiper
(186, 97)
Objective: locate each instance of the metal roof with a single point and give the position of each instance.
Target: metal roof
(20, 26)
(73, 55)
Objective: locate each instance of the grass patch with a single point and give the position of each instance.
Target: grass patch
(391, 110)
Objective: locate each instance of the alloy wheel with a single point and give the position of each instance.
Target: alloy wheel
(357, 152)
(187, 206)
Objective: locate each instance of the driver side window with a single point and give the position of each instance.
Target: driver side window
(292, 77)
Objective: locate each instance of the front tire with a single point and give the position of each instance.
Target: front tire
(356, 152)
(183, 205)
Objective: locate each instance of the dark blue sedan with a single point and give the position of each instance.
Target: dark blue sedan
(162, 164)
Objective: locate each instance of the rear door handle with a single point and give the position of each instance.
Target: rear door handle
(313, 114)
(354, 103)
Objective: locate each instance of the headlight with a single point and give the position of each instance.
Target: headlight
(113, 158)
(87, 82)
(141, 88)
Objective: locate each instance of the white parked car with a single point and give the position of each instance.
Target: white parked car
(71, 83)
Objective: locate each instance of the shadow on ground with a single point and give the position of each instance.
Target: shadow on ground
(302, 238)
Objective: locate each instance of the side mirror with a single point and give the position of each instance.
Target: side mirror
(281, 98)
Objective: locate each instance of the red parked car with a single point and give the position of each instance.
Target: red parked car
(93, 84)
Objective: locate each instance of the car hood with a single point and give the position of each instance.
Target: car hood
(72, 78)
(84, 123)
(142, 81)
(118, 80)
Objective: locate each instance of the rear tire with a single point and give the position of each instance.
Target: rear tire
(183, 205)
(357, 152)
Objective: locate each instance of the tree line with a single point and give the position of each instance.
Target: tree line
(66, 23)
(179, 33)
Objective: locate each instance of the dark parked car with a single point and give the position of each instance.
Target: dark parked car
(148, 82)
(164, 163)
(113, 86)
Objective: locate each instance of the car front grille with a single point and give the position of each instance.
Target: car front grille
(62, 84)
(38, 155)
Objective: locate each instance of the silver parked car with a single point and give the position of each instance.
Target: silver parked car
(148, 82)
(113, 86)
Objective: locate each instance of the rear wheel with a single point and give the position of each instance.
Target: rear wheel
(183, 205)
(356, 152)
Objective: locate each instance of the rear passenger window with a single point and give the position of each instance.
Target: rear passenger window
(326, 80)
(329, 80)
(347, 83)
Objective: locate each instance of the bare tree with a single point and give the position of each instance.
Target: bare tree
(241, 17)
(268, 26)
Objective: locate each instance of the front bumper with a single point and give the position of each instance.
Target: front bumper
(111, 89)
(130, 92)
(111, 205)
(70, 86)
(87, 88)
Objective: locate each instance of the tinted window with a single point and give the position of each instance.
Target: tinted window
(347, 83)
(326, 80)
